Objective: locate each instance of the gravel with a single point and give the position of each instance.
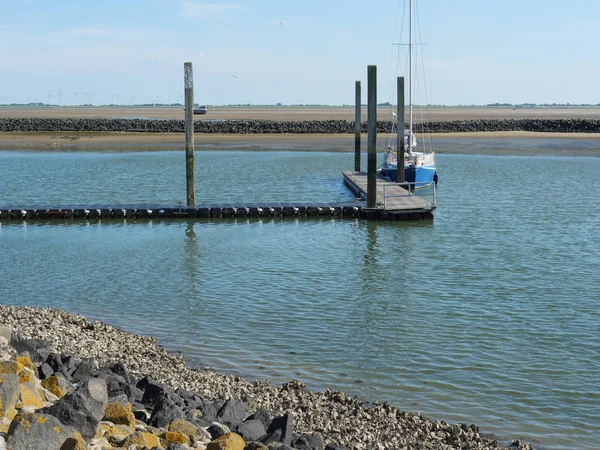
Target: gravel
(289, 127)
(337, 417)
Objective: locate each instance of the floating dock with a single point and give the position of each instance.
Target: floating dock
(353, 209)
(396, 203)
(345, 210)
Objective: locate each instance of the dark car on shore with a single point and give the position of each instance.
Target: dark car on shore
(201, 110)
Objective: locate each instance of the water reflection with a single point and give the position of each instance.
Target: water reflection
(192, 263)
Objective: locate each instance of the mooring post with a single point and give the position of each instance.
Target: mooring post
(188, 81)
(372, 137)
(357, 126)
(400, 133)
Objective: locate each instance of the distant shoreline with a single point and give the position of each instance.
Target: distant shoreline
(301, 113)
(579, 144)
(469, 142)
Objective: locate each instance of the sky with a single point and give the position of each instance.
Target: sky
(72, 52)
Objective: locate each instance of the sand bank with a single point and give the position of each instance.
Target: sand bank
(499, 143)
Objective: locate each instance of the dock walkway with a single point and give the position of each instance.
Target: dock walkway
(392, 199)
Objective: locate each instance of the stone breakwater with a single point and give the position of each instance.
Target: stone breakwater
(297, 127)
(68, 383)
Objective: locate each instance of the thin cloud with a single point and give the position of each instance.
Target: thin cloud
(193, 10)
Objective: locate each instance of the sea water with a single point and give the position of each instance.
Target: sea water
(488, 314)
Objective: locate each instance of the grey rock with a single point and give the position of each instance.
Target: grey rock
(251, 430)
(209, 411)
(55, 362)
(285, 424)
(69, 364)
(165, 410)
(137, 405)
(217, 429)
(120, 369)
(233, 411)
(308, 442)
(143, 382)
(195, 416)
(200, 422)
(255, 446)
(269, 438)
(64, 383)
(115, 384)
(37, 432)
(190, 399)
(219, 403)
(184, 393)
(37, 348)
(142, 414)
(263, 415)
(174, 446)
(6, 333)
(84, 408)
(193, 403)
(9, 390)
(133, 393)
(119, 398)
(87, 368)
(153, 391)
(45, 371)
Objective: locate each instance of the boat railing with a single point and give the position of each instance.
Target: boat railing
(424, 190)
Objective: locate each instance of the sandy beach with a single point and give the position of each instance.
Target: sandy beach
(580, 144)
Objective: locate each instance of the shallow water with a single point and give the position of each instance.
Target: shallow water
(486, 315)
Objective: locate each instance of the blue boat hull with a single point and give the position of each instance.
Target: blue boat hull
(420, 176)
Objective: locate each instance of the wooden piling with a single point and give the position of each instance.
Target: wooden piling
(188, 82)
(400, 132)
(372, 136)
(357, 126)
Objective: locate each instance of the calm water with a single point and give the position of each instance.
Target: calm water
(488, 315)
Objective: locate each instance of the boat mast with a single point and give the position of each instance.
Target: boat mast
(410, 103)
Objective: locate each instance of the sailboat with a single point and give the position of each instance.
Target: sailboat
(419, 163)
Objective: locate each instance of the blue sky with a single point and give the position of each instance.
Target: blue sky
(296, 52)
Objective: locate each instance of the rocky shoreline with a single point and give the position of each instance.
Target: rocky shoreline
(289, 127)
(108, 388)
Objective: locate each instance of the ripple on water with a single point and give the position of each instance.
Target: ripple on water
(487, 315)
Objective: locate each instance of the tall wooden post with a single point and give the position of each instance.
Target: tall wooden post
(188, 81)
(372, 137)
(400, 132)
(357, 126)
